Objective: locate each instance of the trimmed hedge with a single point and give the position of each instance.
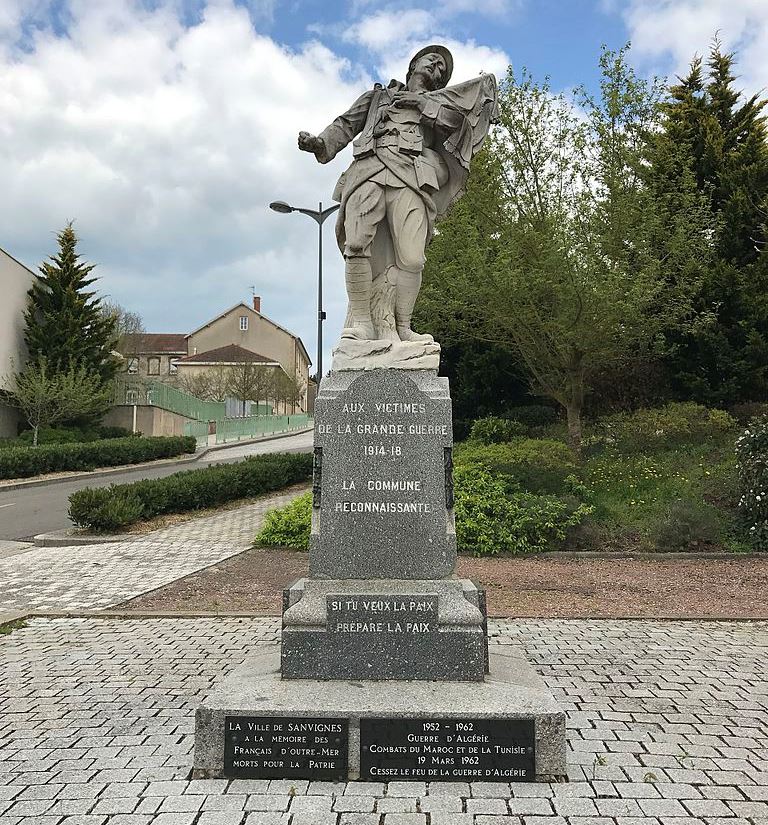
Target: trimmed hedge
(115, 507)
(21, 462)
(72, 435)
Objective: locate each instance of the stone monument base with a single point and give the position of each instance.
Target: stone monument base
(350, 354)
(513, 694)
(384, 629)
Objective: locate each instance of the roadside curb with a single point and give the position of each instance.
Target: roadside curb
(108, 471)
(663, 555)
(64, 538)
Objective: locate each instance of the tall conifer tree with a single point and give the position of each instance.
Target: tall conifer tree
(65, 323)
(727, 359)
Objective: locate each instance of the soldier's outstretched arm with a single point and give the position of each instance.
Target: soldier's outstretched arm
(335, 137)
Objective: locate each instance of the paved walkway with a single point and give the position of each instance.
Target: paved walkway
(668, 725)
(95, 577)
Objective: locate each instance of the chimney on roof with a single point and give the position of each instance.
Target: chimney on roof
(257, 303)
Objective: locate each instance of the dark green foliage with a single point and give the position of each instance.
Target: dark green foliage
(537, 465)
(71, 435)
(724, 358)
(752, 460)
(107, 508)
(493, 430)
(65, 323)
(747, 410)
(687, 524)
(21, 462)
(532, 415)
(117, 506)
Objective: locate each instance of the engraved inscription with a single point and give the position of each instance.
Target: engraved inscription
(487, 750)
(277, 747)
(404, 614)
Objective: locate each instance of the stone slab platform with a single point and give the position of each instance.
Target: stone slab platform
(512, 690)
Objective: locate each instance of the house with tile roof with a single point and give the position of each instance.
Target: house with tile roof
(240, 334)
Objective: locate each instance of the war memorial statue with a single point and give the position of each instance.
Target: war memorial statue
(412, 147)
(384, 670)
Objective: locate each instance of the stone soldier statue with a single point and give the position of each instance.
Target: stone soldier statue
(412, 147)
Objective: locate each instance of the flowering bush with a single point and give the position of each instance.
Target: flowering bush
(752, 460)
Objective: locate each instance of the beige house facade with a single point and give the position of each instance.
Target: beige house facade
(240, 334)
(248, 328)
(15, 281)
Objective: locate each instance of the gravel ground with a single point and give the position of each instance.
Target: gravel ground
(526, 587)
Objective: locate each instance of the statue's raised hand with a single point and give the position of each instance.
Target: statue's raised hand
(310, 143)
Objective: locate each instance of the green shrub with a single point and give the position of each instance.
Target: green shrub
(490, 520)
(539, 465)
(21, 462)
(687, 524)
(668, 426)
(108, 508)
(185, 491)
(752, 461)
(288, 526)
(493, 430)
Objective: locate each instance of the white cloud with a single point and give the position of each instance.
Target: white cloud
(380, 30)
(392, 37)
(166, 144)
(678, 29)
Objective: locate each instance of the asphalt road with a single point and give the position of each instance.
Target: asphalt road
(25, 512)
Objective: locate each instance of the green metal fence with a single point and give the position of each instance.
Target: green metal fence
(157, 394)
(237, 429)
(205, 413)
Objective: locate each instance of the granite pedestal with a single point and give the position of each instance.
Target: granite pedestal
(383, 669)
(511, 691)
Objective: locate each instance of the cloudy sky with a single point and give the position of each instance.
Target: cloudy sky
(163, 128)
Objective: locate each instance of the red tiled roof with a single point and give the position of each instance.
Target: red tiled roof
(230, 354)
(157, 342)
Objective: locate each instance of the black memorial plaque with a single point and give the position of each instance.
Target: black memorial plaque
(282, 747)
(401, 615)
(471, 750)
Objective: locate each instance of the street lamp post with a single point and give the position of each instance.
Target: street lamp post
(319, 215)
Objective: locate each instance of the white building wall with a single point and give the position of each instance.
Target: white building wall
(15, 281)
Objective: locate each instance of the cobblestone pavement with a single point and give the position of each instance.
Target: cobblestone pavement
(94, 577)
(668, 725)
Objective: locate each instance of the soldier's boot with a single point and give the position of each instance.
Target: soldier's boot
(406, 292)
(358, 279)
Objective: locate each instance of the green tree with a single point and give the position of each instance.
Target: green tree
(485, 374)
(65, 322)
(585, 265)
(46, 397)
(724, 135)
